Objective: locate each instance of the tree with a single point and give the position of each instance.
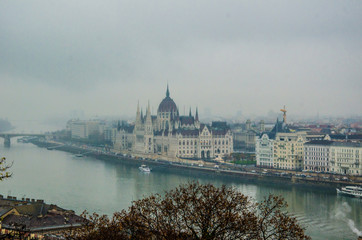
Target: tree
(196, 211)
(4, 169)
(96, 227)
(274, 223)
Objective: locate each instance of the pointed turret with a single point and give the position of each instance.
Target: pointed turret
(138, 116)
(167, 92)
(197, 123)
(148, 131)
(119, 125)
(148, 120)
(142, 115)
(190, 112)
(148, 110)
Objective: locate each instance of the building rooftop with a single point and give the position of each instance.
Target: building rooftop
(333, 143)
(35, 216)
(319, 142)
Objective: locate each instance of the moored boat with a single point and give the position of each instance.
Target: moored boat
(353, 191)
(144, 168)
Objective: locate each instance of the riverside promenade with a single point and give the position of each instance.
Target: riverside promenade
(251, 174)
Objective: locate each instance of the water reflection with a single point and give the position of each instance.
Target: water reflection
(105, 187)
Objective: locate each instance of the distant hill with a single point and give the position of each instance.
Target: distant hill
(5, 125)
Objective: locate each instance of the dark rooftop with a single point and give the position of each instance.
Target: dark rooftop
(319, 142)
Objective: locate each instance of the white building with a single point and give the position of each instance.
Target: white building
(83, 129)
(346, 158)
(333, 157)
(317, 156)
(170, 134)
(264, 151)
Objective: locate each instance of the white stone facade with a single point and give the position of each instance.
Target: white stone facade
(333, 157)
(317, 156)
(264, 151)
(346, 158)
(172, 135)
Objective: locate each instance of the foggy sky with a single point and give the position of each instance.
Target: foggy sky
(101, 57)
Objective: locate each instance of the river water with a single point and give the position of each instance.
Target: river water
(105, 187)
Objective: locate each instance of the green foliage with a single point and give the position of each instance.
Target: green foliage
(244, 162)
(245, 156)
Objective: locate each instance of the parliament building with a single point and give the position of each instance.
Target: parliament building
(172, 135)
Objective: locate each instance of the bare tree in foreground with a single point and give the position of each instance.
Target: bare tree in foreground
(4, 169)
(196, 211)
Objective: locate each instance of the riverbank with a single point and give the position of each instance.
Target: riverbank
(207, 168)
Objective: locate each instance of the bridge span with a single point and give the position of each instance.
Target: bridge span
(8, 136)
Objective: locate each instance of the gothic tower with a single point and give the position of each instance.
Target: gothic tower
(149, 148)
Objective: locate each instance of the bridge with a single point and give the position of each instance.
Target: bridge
(8, 136)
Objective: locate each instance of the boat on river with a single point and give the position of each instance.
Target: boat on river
(352, 191)
(144, 168)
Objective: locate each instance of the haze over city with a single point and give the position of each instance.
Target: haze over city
(226, 58)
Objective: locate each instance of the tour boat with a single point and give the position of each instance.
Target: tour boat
(144, 168)
(352, 191)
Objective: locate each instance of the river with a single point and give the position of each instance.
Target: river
(105, 187)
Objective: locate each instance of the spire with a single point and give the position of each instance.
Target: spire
(148, 120)
(141, 114)
(167, 92)
(190, 112)
(148, 109)
(138, 116)
(197, 115)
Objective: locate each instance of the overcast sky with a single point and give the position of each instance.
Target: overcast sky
(59, 57)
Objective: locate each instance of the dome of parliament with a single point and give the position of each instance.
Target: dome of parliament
(167, 104)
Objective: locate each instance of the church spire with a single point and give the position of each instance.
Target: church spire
(138, 116)
(197, 115)
(190, 112)
(148, 120)
(148, 108)
(167, 92)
